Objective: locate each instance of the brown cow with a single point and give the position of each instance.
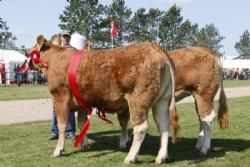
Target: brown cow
(198, 73)
(127, 80)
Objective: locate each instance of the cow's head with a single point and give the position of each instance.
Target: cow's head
(37, 59)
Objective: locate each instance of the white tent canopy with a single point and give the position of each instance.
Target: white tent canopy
(9, 58)
(236, 63)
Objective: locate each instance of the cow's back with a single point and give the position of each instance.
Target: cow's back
(197, 69)
(107, 75)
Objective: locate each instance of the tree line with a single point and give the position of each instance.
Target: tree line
(7, 39)
(167, 28)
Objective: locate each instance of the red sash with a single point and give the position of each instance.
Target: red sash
(73, 66)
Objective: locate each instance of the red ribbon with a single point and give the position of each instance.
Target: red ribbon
(102, 116)
(84, 130)
(73, 66)
(35, 57)
(25, 67)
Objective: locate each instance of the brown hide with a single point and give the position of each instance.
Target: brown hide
(128, 79)
(196, 70)
(106, 77)
(121, 66)
(198, 73)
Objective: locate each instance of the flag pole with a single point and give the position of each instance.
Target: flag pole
(113, 33)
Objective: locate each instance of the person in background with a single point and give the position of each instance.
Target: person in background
(71, 127)
(65, 39)
(18, 75)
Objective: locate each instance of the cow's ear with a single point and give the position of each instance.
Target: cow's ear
(87, 45)
(40, 41)
(56, 40)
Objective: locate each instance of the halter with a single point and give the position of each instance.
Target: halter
(35, 57)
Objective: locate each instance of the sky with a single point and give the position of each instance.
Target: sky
(29, 18)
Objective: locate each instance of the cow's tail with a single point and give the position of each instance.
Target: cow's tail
(174, 118)
(223, 108)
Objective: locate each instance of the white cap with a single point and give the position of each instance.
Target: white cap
(65, 33)
(77, 41)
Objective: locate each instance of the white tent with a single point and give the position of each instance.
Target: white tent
(241, 63)
(9, 58)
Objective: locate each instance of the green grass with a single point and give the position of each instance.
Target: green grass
(14, 92)
(236, 83)
(26, 145)
(41, 91)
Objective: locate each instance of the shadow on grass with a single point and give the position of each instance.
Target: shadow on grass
(183, 150)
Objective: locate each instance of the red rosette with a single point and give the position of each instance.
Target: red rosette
(35, 56)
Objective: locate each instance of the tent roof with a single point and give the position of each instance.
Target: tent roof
(236, 63)
(11, 56)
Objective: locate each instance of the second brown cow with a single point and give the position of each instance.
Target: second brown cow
(198, 73)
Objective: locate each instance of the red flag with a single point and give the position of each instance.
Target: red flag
(113, 30)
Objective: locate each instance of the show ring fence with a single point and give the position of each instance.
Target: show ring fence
(31, 77)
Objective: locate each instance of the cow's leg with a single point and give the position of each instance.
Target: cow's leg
(82, 116)
(62, 112)
(123, 120)
(139, 135)
(138, 115)
(207, 115)
(200, 138)
(161, 117)
(207, 124)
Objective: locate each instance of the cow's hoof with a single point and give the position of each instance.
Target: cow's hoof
(85, 147)
(57, 153)
(204, 151)
(123, 146)
(129, 160)
(199, 144)
(160, 160)
(197, 147)
(123, 143)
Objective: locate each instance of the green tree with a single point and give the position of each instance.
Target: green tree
(174, 32)
(154, 20)
(1, 27)
(7, 40)
(171, 20)
(71, 18)
(138, 26)
(1, 23)
(209, 37)
(121, 14)
(82, 16)
(186, 34)
(144, 26)
(167, 28)
(243, 46)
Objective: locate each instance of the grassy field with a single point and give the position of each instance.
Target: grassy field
(236, 83)
(26, 145)
(41, 91)
(24, 92)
